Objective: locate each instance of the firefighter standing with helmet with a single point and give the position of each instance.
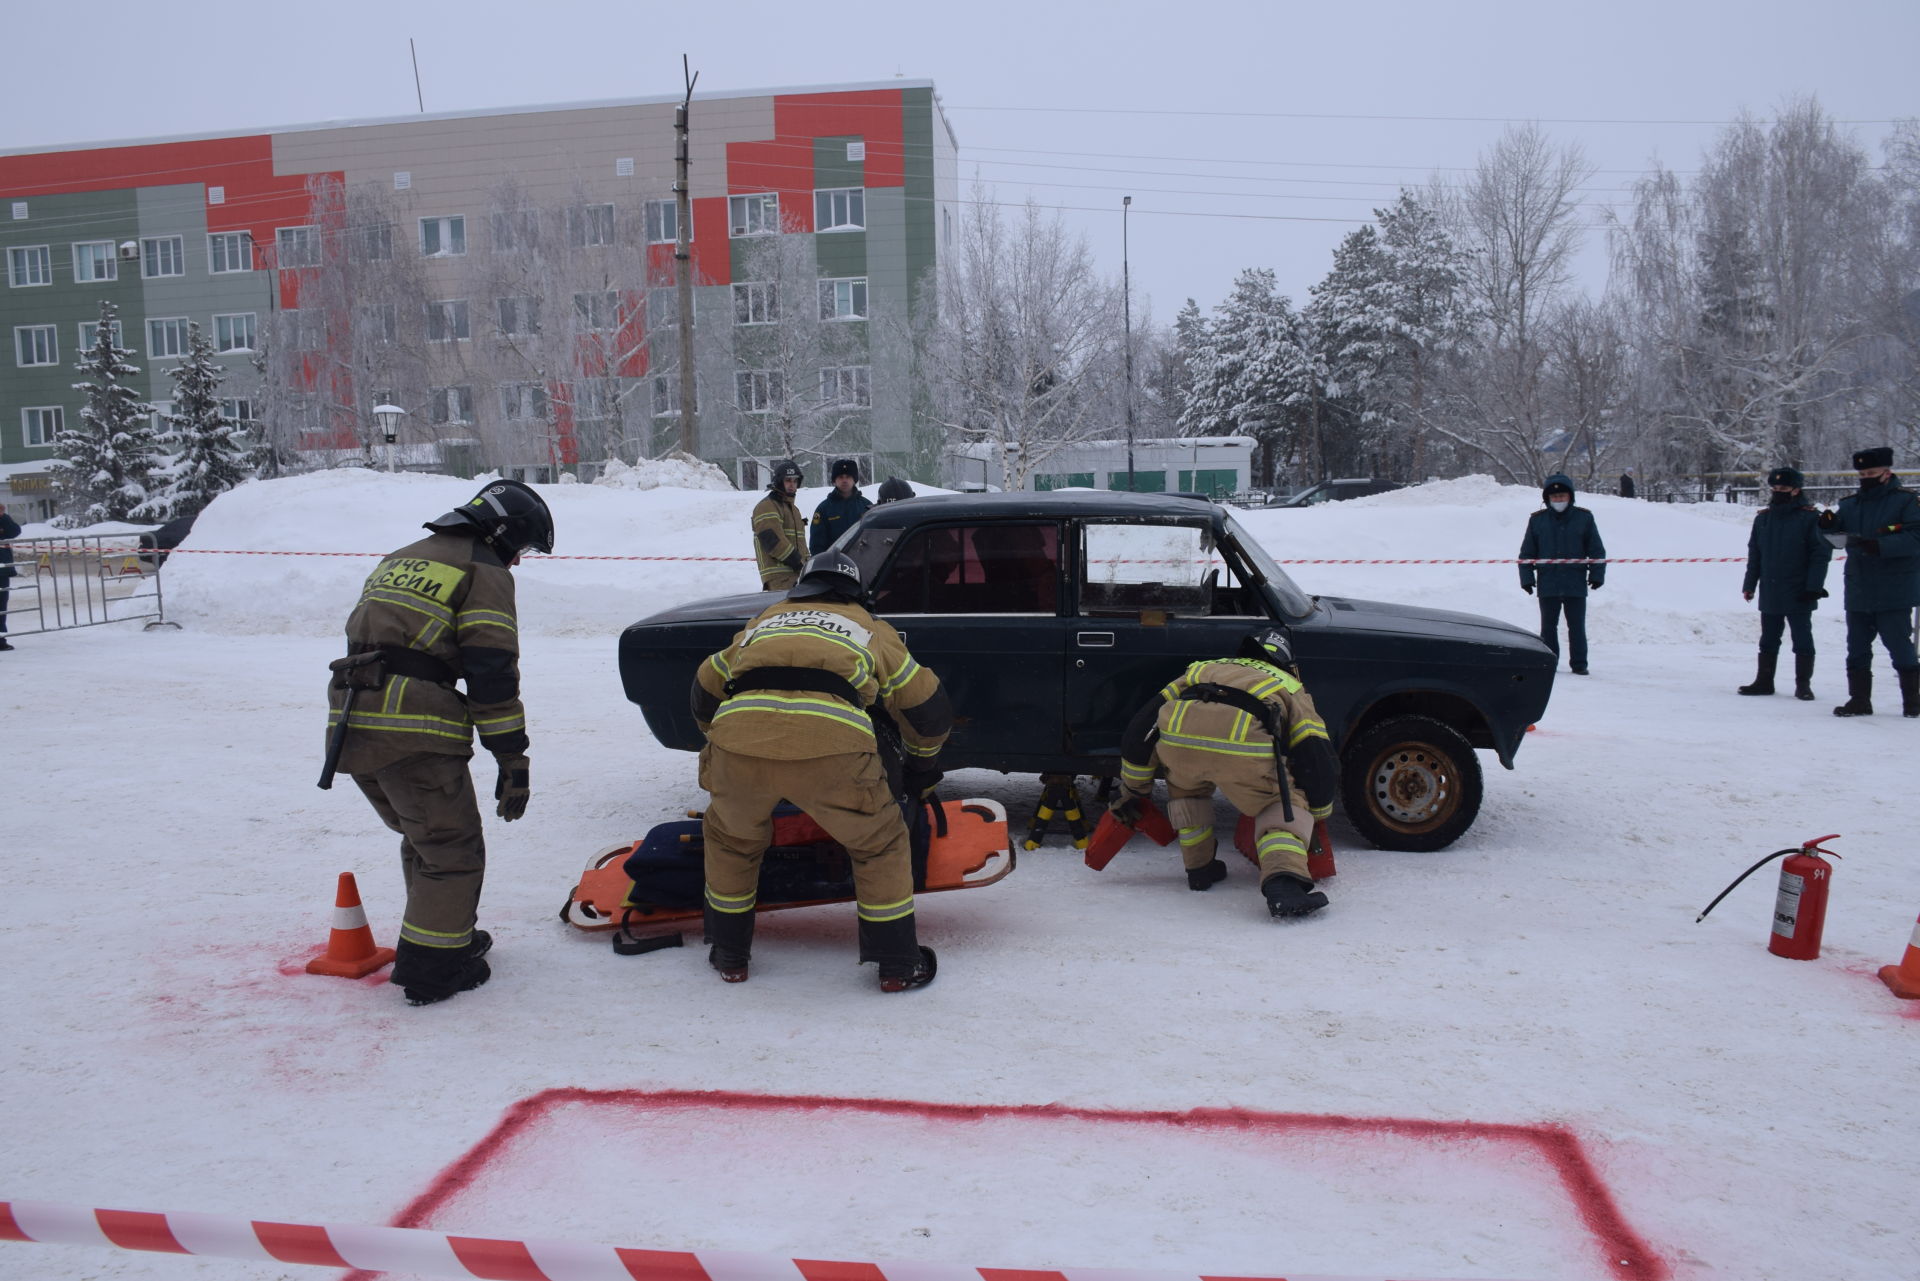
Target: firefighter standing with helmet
(779, 531)
(437, 611)
(791, 712)
(1228, 723)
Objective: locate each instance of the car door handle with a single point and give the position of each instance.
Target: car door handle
(1096, 640)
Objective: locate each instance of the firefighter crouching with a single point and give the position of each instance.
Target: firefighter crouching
(785, 709)
(438, 611)
(1228, 723)
(779, 531)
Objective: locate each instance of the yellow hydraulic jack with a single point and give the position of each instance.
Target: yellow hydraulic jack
(1059, 797)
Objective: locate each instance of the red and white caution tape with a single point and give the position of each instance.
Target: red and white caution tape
(372, 1249)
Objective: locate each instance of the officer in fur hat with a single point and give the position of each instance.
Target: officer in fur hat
(1787, 561)
(1879, 530)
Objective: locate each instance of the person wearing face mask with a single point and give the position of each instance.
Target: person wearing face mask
(1563, 531)
(1787, 560)
(1879, 529)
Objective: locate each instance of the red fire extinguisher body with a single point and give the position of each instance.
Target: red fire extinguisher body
(1800, 908)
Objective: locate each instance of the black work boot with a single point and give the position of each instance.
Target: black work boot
(1763, 677)
(1803, 677)
(898, 976)
(895, 945)
(1289, 897)
(731, 937)
(1205, 878)
(429, 975)
(1859, 693)
(1909, 691)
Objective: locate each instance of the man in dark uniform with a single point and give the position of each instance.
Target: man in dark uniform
(1787, 560)
(9, 530)
(839, 510)
(1563, 531)
(437, 611)
(779, 531)
(787, 710)
(1227, 723)
(1880, 529)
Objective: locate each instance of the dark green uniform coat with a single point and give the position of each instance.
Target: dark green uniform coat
(1567, 535)
(1787, 559)
(1889, 577)
(833, 517)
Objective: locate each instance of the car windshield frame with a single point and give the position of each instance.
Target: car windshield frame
(1294, 603)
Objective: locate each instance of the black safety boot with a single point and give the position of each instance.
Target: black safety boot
(1289, 897)
(1205, 878)
(1859, 693)
(1803, 677)
(1909, 691)
(429, 975)
(898, 976)
(731, 937)
(1763, 678)
(895, 945)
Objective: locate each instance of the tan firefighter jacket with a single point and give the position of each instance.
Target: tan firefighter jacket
(788, 724)
(779, 537)
(449, 598)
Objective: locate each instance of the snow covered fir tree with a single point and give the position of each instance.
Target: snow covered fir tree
(105, 469)
(211, 453)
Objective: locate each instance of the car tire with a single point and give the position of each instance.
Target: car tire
(1411, 783)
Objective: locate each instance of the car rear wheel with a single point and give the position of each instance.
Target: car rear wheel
(1411, 783)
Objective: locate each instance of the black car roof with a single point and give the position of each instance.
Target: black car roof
(1023, 503)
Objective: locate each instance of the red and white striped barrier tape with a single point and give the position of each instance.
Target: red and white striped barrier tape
(373, 1249)
(1486, 560)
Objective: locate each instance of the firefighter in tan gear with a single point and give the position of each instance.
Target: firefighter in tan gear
(438, 611)
(1247, 726)
(792, 711)
(779, 531)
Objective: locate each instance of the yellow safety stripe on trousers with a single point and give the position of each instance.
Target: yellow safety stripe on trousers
(863, 660)
(474, 618)
(734, 904)
(879, 913)
(412, 933)
(1304, 729)
(920, 749)
(1217, 745)
(824, 706)
(1196, 835)
(1320, 811)
(491, 725)
(1131, 773)
(382, 723)
(1279, 842)
(907, 670)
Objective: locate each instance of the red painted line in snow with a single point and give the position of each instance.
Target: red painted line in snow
(1627, 1254)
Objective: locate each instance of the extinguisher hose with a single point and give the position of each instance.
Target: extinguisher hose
(1743, 876)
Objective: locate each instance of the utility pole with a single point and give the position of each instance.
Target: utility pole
(1126, 305)
(683, 261)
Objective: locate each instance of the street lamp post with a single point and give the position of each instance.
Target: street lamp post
(1126, 310)
(389, 416)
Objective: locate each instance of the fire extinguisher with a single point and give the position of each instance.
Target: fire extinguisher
(1800, 906)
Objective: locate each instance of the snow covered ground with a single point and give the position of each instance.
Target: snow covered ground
(171, 868)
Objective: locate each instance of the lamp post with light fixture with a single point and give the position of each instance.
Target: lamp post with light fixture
(389, 416)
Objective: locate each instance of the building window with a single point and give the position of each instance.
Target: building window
(305, 329)
(450, 405)
(589, 225)
(758, 390)
(523, 402)
(514, 229)
(163, 256)
(596, 311)
(519, 316)
(753, 215)
(229, 251)
(447, 321)
(297, 247)
(379, 322)
(847, 385)
(90, 334)
(666, 395)
(663, 222)
(443, 237)
(240, 410)
(844, 299)
(167, 337)
(370, 242)
(756, 304)
(234, 332)
(36, 345)
(663, 308)
(840, 209)
(41, 424)
(93, 261)
(30, 265)
(159, 414)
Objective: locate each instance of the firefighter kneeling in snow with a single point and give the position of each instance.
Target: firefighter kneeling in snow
(786, 711)
(438, 611)
(1227, 723)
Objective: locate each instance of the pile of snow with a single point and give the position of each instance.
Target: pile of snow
(675, 471)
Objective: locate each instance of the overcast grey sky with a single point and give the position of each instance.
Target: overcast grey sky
(1199, 110)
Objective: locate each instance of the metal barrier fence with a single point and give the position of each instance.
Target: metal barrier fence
(83, 580)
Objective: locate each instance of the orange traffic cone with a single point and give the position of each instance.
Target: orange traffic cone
(1904, 978)
(350, 950)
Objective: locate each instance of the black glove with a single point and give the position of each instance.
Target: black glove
(1527, 588)
(1125, 807)
(1871, 546)
(793, 561)
(920, 783)
(1827, 520)
(1592, 586)
(1812, 596)
(511, 789)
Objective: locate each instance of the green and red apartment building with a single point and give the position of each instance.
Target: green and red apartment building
(505, 276)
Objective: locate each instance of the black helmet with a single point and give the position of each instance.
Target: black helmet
(1271, 645)
(507, 515)
(845, 467)
(893, 489)
(782, 469)
(830, 573)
